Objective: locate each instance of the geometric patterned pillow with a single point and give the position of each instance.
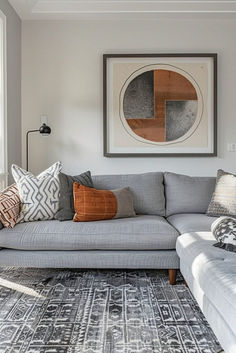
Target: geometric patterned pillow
(224, 230)
(39, 194)
(9, 206)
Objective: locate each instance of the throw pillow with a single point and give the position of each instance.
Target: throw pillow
(66, 202)
(94, 205)
(224, 230)
(223, 202)
(9, 206)
(39, 194)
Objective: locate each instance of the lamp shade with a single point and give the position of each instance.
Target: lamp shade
(45, 130)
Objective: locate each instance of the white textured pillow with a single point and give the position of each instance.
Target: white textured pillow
(39, 194)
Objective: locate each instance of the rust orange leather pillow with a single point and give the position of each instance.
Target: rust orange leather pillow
(94, 205)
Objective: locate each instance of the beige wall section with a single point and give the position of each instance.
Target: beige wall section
(13, 84)
(62, 77)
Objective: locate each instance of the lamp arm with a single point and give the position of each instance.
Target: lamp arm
(27, 147)
(28, 132)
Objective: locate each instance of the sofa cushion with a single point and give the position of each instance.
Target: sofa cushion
(191, 222)
(136, 233)
(213, 268)
(186, 194)
(147, 190)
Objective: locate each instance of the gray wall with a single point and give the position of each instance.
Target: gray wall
(62, 77)
(13, 84)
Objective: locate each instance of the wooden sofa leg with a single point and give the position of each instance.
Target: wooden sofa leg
(172, 276)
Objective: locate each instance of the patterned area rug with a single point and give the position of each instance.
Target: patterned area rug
(58, 311)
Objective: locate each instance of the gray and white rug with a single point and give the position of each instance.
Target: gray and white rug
(58, 311)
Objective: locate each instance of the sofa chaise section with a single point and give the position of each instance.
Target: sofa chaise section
(211, 275)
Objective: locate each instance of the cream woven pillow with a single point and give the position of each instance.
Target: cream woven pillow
(223, 202)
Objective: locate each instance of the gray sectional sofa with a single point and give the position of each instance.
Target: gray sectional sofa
(170, 216)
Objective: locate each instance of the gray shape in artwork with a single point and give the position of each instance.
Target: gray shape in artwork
(139, 97)
(180, 117)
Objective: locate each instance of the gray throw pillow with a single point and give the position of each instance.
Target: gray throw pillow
(223, 202)
(224, 230)
(66, 201)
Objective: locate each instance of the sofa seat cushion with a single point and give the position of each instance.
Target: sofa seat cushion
(191, 222)
(135, 233)
(213, 268)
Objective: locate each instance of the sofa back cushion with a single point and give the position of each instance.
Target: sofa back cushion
(147, 190)
(186, 194)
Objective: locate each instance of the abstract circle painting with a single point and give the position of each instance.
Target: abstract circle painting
(160, 105)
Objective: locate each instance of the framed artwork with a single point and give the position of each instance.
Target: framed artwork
(160, 105)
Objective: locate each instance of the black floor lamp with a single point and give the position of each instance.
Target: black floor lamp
(44, 130)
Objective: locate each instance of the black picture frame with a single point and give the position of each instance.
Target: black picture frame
(106, 57)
